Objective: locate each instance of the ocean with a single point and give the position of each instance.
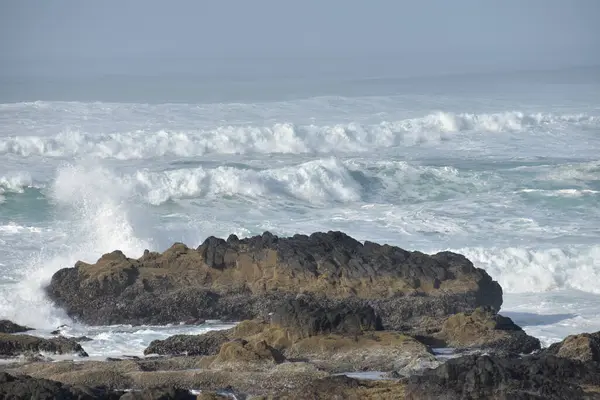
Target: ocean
(504, 168)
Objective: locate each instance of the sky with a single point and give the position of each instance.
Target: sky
(150, 36)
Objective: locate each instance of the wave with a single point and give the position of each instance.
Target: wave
(562, 192)
(522, 270)
(281, 137)
(321, 181)
(14, 183)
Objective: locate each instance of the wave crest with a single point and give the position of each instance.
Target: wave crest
(286, 138)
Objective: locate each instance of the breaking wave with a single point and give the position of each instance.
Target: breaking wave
(522, 270)
(280, 137)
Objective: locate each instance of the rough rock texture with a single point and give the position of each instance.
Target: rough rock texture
(583, 347)
(483, 329)
(26, 388)
(159, 394)
(7, 326)
(206, 344)
(491, 377)
(307, 320)
(342, 388)
(14, 345)
(368, 350)
(237, 279)
(241, 351)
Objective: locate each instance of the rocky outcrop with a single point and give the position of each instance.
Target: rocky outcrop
(206, 344)
(14, 345)
(306, 319)
(583, 347)
(237, 279)
(26, 387)
(333, 352)
(342, 387)
(7, 326)
(492, 377)
(481, 329)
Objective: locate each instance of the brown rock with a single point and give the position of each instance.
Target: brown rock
(243, 279)
(13, 345)
(482, 329)
(583, 347)
(242, 351)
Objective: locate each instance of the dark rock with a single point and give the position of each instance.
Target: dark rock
(239, 279)
(491, 377)
(206, 344)
(583, 347)
(307, 320)
(13, 345)
(159, 394)
(55, 332)
(7, 326)
(342, 387)
(483, 329)
(26, 388)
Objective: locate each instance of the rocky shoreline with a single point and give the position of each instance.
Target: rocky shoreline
(311, 309)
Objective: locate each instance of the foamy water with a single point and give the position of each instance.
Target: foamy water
(509, 178)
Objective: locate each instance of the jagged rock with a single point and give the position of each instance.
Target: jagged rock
(483, 329)
(237, 279)
(491, 377)
(26, 387)
(7, 326)
(307, 320)
(583, 347)
(13, 345)
(206, 344)
(369, 350)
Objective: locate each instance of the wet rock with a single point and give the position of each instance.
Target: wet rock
(14, 345)
(26, 387)
(206, 344)
(492, 377)
(159, 394)
(7, 326)
(238, 279)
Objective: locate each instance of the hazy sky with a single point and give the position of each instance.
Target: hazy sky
(440, 35)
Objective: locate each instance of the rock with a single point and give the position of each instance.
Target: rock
(55, 332)
(7, 326)
(13, 345)
(492, 377)
(342, 387)
(159, 394)
(484, 329)
(26, 387)
(242, 351)
(583, 347)
(368, 350)
(307, 320)
(237, 279)
(206, 344)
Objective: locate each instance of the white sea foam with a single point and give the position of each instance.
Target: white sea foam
(15, 182)
(522, 270)
(281, 137)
